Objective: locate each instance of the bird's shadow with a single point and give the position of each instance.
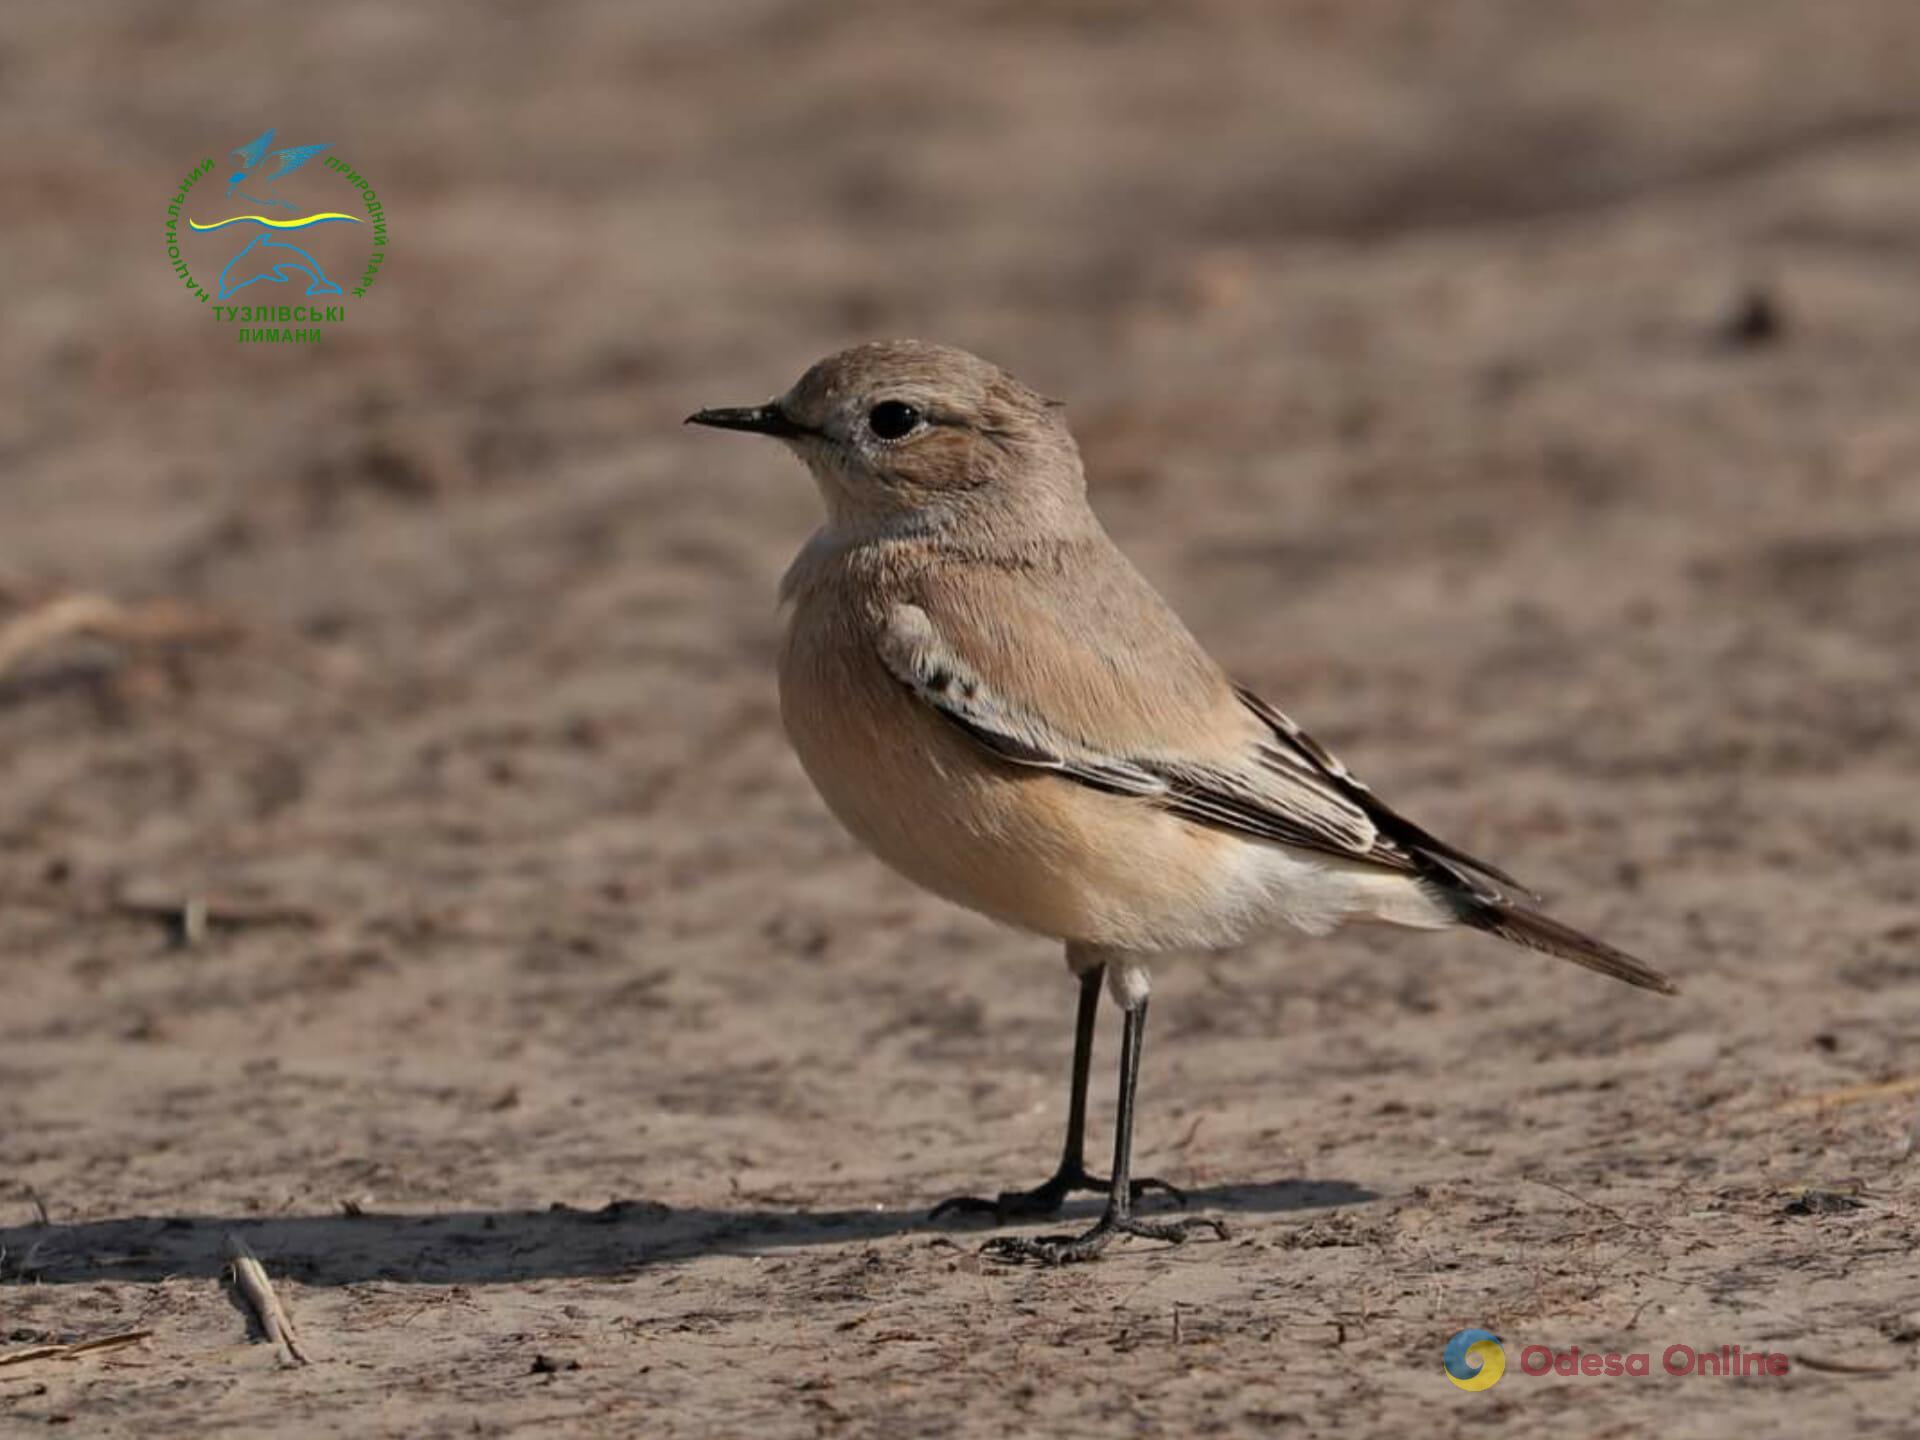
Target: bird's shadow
(503, 1247)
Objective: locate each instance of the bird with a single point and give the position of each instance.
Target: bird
(994, 701)
(254, 151)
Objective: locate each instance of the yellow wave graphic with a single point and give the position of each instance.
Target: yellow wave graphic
(303, 221)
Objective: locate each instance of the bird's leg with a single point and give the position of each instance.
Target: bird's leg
(1072, 1176)
(1118, 1218)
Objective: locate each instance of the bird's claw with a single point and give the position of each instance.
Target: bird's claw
(1072, 1249)
(1048, 1198)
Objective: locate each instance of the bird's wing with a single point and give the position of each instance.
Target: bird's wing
(253, 151)
(293, 157)
(1229, 781)
(920, 658)
(1089, 675)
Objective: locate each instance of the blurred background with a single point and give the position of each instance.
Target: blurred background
(1521, 393)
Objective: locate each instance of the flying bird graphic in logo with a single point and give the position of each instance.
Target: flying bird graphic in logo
(252, 153)
(1475, 1360)
(274, 260)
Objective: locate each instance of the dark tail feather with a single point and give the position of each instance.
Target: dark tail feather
(1538, 932)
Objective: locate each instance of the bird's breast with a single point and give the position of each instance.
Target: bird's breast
(1021, 845)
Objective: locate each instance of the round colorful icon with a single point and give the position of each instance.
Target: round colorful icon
(1474, 1360)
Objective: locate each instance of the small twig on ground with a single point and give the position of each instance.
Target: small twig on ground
(1851, 1095)
(1185, 1142)
(79, 1347)
(156, 622)
(251, 1276)
(191, 918)
(1842, 1367)
(1580, 1199)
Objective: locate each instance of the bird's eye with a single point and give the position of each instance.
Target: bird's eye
(892, 419)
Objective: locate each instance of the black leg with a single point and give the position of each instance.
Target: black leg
(1118, 1218)
(1086, 1018)
(1072, 1176)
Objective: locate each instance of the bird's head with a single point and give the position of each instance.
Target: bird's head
(906, 434)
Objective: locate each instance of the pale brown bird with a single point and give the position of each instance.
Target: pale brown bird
(997, 704)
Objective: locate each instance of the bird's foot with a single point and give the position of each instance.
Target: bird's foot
(1046, 1199)
(1071, 1249)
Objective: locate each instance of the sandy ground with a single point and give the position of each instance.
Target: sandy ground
(1417, 351)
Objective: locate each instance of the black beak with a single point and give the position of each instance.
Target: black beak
(767, 419)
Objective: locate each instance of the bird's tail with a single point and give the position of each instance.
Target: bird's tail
(1540, 932)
